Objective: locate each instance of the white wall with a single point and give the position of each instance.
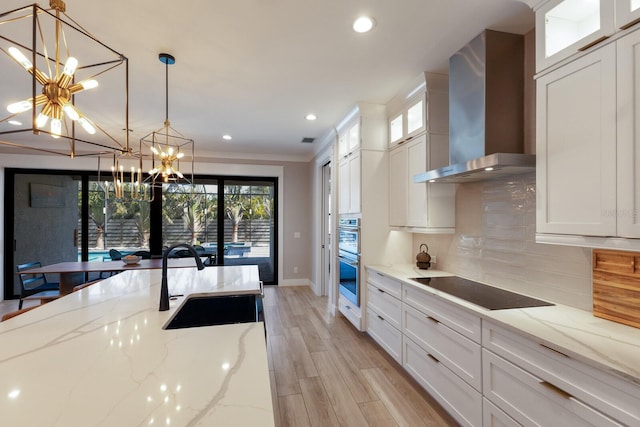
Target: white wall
(494, 243)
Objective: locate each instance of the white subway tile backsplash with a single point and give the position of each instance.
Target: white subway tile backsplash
(502, 249)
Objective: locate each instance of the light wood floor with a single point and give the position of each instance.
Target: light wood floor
(326, 373)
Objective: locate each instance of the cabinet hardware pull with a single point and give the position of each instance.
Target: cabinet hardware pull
(555, 389)
(408, 139)
(381, 291)
(380, 317)
(434, 320)
(593, 43)
(380, 274)
(630, 24)
(432, 357)
(554, 350)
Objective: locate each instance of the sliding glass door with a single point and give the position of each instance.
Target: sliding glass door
(56, 216)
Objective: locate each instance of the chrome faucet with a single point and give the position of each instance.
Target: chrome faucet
(164, 290)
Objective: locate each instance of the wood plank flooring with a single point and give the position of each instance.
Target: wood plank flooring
(326, 373)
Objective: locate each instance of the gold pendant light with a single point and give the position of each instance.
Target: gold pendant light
(57, 77)
(167, 145)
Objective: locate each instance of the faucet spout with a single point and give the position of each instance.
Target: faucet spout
(164, 289)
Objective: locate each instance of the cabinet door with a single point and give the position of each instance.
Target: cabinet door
(531, 401)
(344, 186)
(398, 186)
(416, 153)
(563, 27)
(627, 13)
(354, 138)
(354, 182)
(576, 146)
(415, 117)
(628, 213)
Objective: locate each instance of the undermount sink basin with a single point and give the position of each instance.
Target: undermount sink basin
(216, 310)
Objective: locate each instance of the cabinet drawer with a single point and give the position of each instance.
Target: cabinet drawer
(492, 416)
(530, 400)
(455, 351)
(464, 322)
(389, 285)
(461, 400)
(385, 334)
(385, 305)
(608, 393)
(351, 312)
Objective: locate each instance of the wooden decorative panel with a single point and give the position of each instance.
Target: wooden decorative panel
(616, 286)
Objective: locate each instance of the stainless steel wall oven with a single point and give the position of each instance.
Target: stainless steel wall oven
(349, 258)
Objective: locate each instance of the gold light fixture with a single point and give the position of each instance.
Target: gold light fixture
(59, 78)
(168, 145)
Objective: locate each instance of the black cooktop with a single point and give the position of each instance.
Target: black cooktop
(483, 295)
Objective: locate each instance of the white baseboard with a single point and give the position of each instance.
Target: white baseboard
(296, 282)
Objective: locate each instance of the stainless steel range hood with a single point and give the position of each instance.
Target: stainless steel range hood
(486, 111)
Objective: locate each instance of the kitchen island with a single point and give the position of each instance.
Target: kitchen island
(100, 356)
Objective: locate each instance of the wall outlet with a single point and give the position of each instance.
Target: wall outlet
(433, 259)
(295, 269)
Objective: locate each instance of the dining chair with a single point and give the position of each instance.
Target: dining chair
(143, 254)
(35, 286)
(14, 313)
(115, 254)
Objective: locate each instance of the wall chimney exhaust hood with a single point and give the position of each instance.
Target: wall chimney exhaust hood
(486, 111)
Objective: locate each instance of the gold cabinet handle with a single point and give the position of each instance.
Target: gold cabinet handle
(433, 319)
(432, 357)
(555, 389)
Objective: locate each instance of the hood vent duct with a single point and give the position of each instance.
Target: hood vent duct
(486, 111)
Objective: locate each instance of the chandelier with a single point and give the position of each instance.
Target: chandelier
(55, 77)
(167, 145)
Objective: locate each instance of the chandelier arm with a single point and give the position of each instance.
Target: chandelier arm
(28, 147)
(45, 53)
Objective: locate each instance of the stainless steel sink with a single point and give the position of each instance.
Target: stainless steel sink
(216, 310)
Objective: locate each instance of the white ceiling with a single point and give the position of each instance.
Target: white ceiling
(255, 68)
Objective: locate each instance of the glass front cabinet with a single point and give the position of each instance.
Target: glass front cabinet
(564, 27)
(409, 121)
(627, 13)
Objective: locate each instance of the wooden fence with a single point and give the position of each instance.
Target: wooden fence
(122, 233)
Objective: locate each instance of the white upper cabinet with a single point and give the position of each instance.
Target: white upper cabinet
(423, 145)
(564, 27)
(576, 146)
(349, 140)
(409, 122)
(627, 13)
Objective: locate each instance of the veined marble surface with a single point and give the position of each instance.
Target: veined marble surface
(601, 343)
(100, 357)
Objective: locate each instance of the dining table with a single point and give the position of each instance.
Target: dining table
(70, 271)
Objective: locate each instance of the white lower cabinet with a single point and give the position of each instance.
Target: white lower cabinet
(455, 351)
(555, 385)
(533, 401)
(492, 416)
(461, 400)
(384, 313)
(350, 311)
(384, 334)
(486, 374)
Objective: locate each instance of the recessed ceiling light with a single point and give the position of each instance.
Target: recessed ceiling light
(363, 24)
(311, 117)
(226, 137)
(489, 169)
(15, 123)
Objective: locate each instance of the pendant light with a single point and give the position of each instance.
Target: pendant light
(58, 77)
(167, 145)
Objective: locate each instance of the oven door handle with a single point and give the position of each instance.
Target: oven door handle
(349, 263)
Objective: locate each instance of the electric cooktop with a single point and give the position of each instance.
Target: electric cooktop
(483, 295)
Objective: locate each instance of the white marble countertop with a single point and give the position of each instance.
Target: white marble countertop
(601, 343)
(100, 357)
